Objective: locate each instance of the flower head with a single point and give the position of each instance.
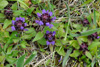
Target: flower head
(93, 36)
(8, 13)
(84, 47)
(50, 37)
(85, 22)
(45, 18)
(19, 24)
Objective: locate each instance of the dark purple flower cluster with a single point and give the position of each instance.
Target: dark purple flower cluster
(84, 47)
(93, 36)
(50, 37)
(19, 24)
(8, 13)
(85, 22)
(45, 18)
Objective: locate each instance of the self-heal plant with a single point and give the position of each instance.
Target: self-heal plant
(45, 18)
(85, 22)
(84, 47)
(8, 12)
(50, 37)
(19, 24)
(93, 36)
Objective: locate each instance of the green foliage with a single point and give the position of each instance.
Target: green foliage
(3, 3)
(38, 36)
(6, 23)
(66, 57)
(60, 50)
(75, 54)
(20, 61)
(88, 54)
(32, 56)
(17, 46)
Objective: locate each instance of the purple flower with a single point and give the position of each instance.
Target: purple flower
(19, 24)
(84, 47)
(50, 37)
(93, 36)
(85, 22)
(8, 12)
(45, 18)
(60, 59)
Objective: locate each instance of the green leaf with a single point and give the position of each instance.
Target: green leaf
(2, 58)
(58, 43)
(9, 49)
(6, 23)
(0, 48)
(32, 56)
(23, 44)
(20, 61)
(14, 6)
(60, 51)
(18, 12)
(23, 3)
(88, 54)
(86, 2)
(75, 54)
(31, 30)
(93, 44)
(2, 15)
(75, 44)
(42, 41)
(29, 34)
(66, 57)
(10, 59)
(13, 35)
(3, 4)
(83, 38)
(38, 36)
(29, 10)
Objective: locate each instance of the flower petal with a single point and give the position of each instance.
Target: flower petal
(47, 24)
(40, 23)
(26, 29)
(43, 11)
(47, 32)
(13, 22)
(50, 13)
(25, 24)
(37, 21)
(13, 28)
(38, 14)
(54, 18)
(60, 59)
(48, 43)
(53, 42)
(98, 37)
(23, 19)
(51, 25)
(47, 11)
(54, 33)
(21, 27)
(17, 18)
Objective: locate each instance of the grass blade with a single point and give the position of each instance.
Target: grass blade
(86, 33)
(66, 57)
(94, 20)
(20, 61)
(68, 21)
(32, 56)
